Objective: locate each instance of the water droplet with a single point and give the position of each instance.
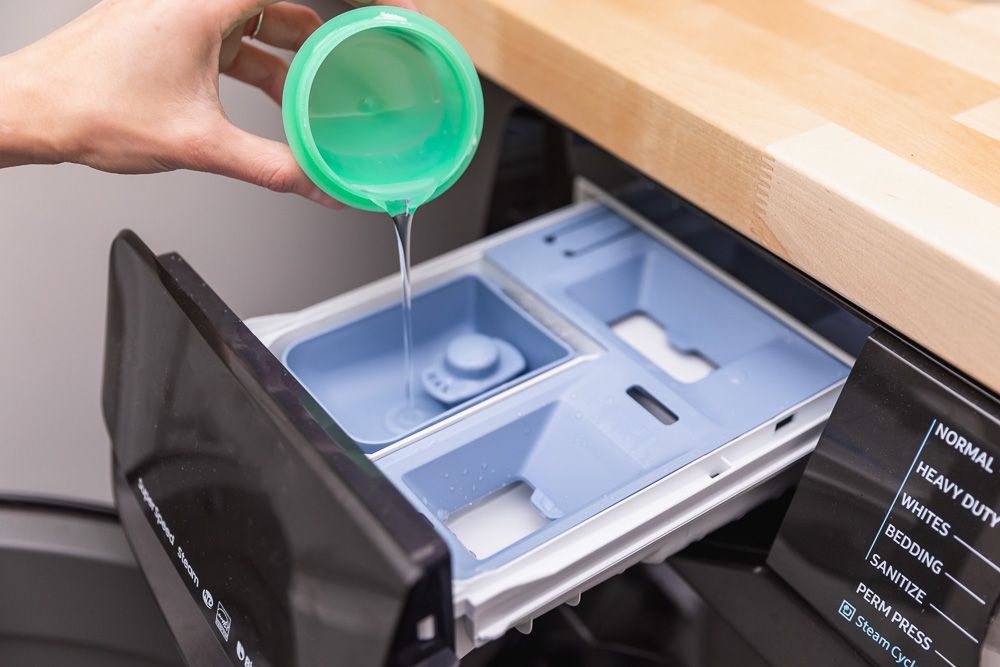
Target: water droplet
(465, 471)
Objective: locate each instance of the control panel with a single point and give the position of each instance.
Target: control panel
(894, 532)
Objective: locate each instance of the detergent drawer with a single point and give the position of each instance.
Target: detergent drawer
(588, 394)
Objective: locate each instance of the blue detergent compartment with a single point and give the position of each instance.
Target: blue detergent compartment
(517, 474)
(356, 370)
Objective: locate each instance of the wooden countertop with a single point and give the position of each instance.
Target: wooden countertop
(857, 139)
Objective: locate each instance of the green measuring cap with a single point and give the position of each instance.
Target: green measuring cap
(383, 109)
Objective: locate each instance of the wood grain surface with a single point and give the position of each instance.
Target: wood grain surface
(859, 140)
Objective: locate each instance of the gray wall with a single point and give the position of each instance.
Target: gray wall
(262, 253)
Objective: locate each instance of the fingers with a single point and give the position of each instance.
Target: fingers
(233, 152)
(259, 68)
(285, 25)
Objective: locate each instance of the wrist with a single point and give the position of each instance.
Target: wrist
(29, 131)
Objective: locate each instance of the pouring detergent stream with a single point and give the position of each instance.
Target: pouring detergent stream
(383, 110)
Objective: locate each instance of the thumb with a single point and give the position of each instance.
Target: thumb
(244, 156)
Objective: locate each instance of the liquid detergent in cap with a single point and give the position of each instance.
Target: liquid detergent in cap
(383, 109)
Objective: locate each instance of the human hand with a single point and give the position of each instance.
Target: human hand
(132, 86)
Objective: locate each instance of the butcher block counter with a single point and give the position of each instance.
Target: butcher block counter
(859, 140)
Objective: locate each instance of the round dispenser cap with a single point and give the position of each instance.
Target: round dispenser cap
(471, 364)
(472, 355)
